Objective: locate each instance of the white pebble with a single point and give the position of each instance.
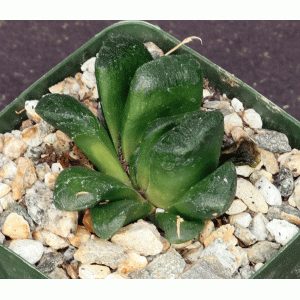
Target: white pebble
(30, 110)
(89, 79)
(56, 167)
(4, 189)
(282, 230)
(237, 105)
(269, 191)
(243, 219)
(89, 65)
(236, 207)
(252, 118)
(206, 93)
(31, 250)
(231, 121)
(258, 227)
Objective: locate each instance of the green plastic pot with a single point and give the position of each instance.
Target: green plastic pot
(286, 262)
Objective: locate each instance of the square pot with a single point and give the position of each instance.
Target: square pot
(286, 262)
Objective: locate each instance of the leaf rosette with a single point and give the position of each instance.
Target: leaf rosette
(152, 111)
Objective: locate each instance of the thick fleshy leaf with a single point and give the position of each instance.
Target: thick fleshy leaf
(77, 188)
(116, 63)
(108, 218)
(79, 123)
(168, 86)
(183, 156)
(177, 230)
(211, 197)
(140, 158)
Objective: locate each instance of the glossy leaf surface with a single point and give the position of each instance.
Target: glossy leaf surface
(79, 123)
(116, 63)
(211, 197)
(77, 188)
(183, 156)
(167, 86)
(177, 230)
(108, 218)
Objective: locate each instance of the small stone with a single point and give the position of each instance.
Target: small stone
(206, 93)
(252, 118)
(284, 212)
(87, 221)
(154, 50)
(291, 160)
(236, 207)
(284, 181)
(207, 267)
(246, 272)
(6, 200)
(258, 226)
(242, 219)
(62, 136)
(140, 237)
(237, 105)
(140, 274)
(69, 253)
(237, 133)
(34, 153)
(216, 104)
(54, 241)
(93, 271)
(243, 256)
(1, 142)
(258, 174)
(245, 235)
(4, 189)
(269, 191)
(8, 168)
(262, 251)
(166, 266)
(89, 79)
(246, 170)
(268, 159)
(224, 232)
(81, 236)
(25, 177)
(41, 170)
(193, 255)
(13, 147)
(50, 179)
(61, 147)
(58, 273)
(50, 261)
(89, 65)
(182, 245)
(69, 86)
(251, 196)
(101, 252)
(272, 141)
(206, 231)
(30, 106)
(133, 263)
(16, 227)
(219, 249)
(258, 266)
(71, 271)
(30, 250)
(32, 136)
(282, 230)
(294, 199)
(2, 238)
(230, 121)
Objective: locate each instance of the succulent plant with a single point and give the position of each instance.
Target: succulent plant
(152, 111)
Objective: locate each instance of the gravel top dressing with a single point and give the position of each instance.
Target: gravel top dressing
(263, 217)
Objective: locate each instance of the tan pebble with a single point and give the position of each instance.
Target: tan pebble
(87, 222)
(206, 231)
(16, 227)
(71, 271)
(4, 189)
(13, 147)
(236, 207)
(26, 124)
(224, 232)
(246, 170)
(32, 136)
(237, 133)
(247, 192)
(50, 179)
(269, 161)
(54, 241)
(81, 235)
(292, 161)
(133, 263)
(1, 142)
(93, 271)
(62, 136)
(258, 174)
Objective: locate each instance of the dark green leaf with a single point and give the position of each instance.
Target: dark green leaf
(115, 66)
(108, 218)
(77, 188)
(183, 156)
(211, 197)
(177, 230)
(168, 86)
